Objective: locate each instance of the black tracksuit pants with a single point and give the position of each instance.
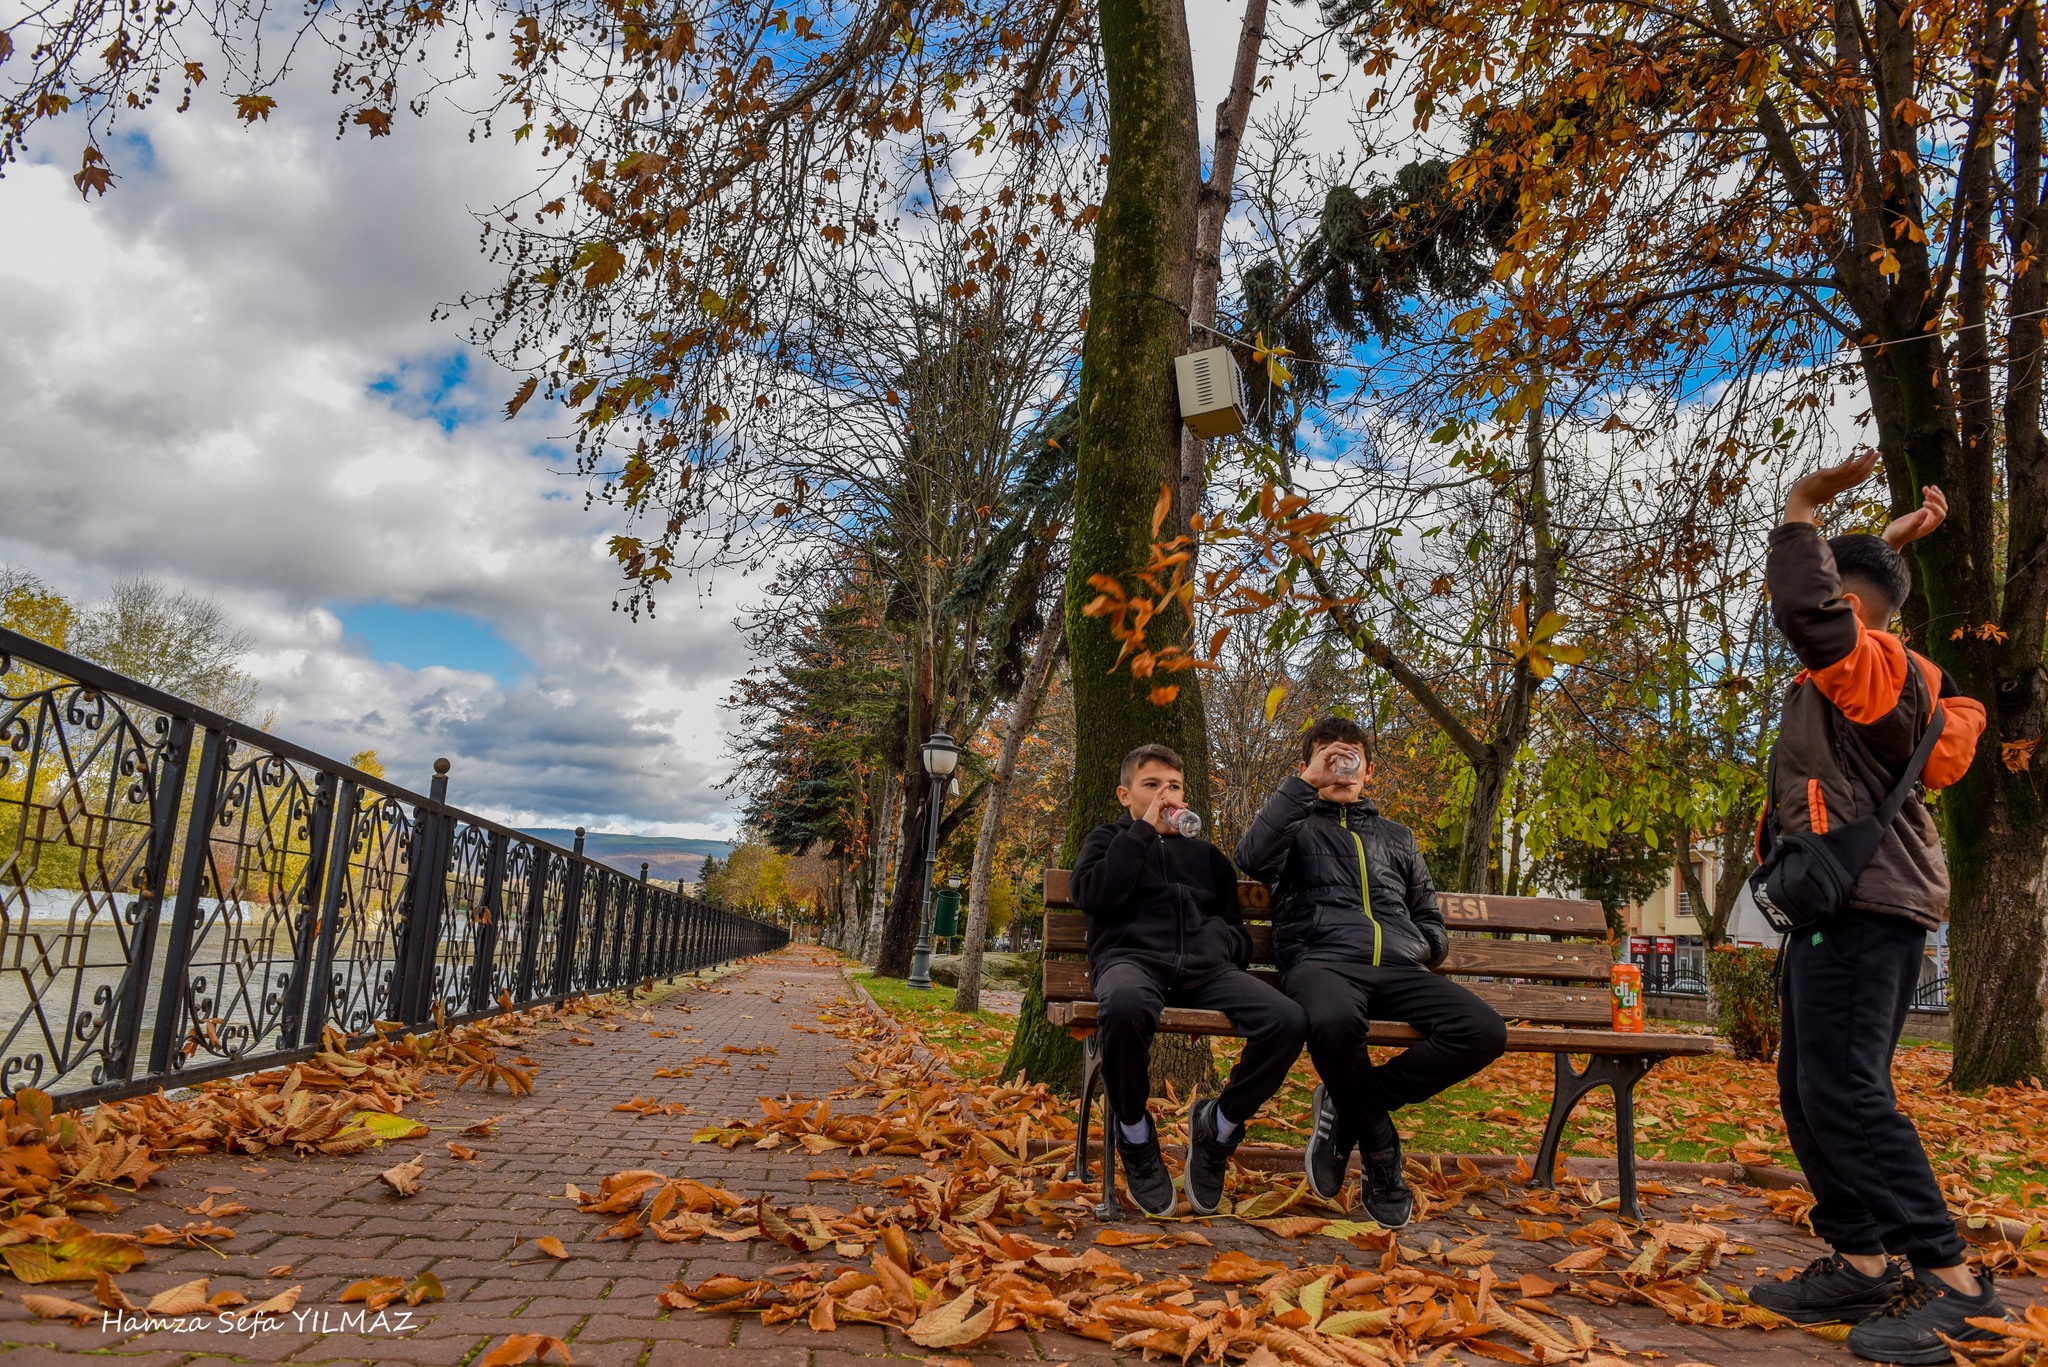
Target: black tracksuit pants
(1129, 997)
(1846, 988)
(1461, 1034)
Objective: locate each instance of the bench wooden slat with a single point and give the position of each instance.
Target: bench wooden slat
(1066, 932)
(1462, 911)
(1066, 980)
(1522, 1039)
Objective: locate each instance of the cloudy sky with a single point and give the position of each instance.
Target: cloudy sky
(225, 375)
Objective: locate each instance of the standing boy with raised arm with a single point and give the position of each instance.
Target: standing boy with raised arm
(1355, 931)
(1852, 721)
(1164, 930)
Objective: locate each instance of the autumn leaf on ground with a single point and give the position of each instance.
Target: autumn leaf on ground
(1233, 1266)
(550, 1245)
(112, 1296)
(460, 1151)
(405, 1178)
(187, 1299)
(951, 1326)
(69, 1252)
(523, 1348)
(425, 1287)
(279, 1304)
(57, 1308)
(374, 1292)
(483, 1128)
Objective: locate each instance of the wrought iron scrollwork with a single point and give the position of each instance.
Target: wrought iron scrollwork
(183, 895)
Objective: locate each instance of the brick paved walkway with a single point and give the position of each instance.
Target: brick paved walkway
(326, 1221)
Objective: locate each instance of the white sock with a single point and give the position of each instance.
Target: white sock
(1134, 1133)
(1224, 1129)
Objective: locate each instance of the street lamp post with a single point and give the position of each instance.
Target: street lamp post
(941, 755)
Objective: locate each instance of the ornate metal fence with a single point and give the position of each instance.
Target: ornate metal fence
(185, 897)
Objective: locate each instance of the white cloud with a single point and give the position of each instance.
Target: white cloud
(185, 372)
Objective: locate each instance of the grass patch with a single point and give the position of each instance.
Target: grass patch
(1714, 1109)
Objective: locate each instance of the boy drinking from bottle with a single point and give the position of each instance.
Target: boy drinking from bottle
(1356, 930)
(1851, 724)
(1164, 930)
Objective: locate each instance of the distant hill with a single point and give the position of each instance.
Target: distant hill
(669, 858)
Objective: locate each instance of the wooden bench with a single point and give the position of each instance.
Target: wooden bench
(1541, 962)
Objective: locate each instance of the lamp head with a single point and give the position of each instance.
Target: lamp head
(941, 755)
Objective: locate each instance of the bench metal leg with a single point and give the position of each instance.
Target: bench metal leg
(1619, 1073)
(1109, 1209)
(1091, 1075)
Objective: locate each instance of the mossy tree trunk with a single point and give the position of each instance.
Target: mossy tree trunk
(1138, 300)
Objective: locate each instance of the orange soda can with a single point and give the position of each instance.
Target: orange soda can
(1626, 981)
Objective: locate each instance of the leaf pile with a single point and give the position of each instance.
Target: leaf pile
(1402, 1306)
(56, 1165)
(1008, 1151)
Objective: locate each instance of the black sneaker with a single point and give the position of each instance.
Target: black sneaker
(1829, 1291)
(1208, 1158)
(1328, 1153)
(1145, 1174)
(1910, 1326)
(1387, 1198)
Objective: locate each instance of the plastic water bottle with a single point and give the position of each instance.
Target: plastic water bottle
(1186, 822)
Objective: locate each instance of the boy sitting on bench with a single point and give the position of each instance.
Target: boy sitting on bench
(1355, 931)
(1164, 930)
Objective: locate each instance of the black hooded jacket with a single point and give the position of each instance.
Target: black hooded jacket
(1348, 884)
(1165, 901)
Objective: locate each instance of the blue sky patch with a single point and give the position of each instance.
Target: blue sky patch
(437, 389)
(416, 638)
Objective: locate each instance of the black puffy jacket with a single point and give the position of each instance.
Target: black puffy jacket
(1348, 884)
(1164, 900)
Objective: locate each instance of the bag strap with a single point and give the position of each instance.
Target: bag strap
(1894, 800)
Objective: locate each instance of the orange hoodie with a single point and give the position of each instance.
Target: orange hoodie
(1852, 719)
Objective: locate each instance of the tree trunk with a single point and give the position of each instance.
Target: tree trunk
(885, 856)
(900, 923)
(1041, 1051)
(1482, 823)
(1023, 713)
(1994, 821)
(1129, 441)
(1213, 213)
(1129, 437)
(1491, 767)
(1738, 843)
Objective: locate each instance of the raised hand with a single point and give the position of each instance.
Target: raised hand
(1823, 484)
(1932, 512)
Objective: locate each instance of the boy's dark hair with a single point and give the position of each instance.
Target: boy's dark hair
(1873, 564)
(1149, 754)
(1332, 729)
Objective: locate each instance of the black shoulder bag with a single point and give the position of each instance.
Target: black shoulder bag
(1804, 879)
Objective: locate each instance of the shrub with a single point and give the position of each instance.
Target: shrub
(1745, 983)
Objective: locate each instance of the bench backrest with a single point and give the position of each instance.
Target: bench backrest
(1546, 959)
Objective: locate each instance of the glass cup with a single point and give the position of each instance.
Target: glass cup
(1344, 764)
(1184, 820)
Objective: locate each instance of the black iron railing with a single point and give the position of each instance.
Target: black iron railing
(185, 897)
(1932, 995)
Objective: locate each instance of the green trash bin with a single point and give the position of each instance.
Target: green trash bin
(946, 914)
